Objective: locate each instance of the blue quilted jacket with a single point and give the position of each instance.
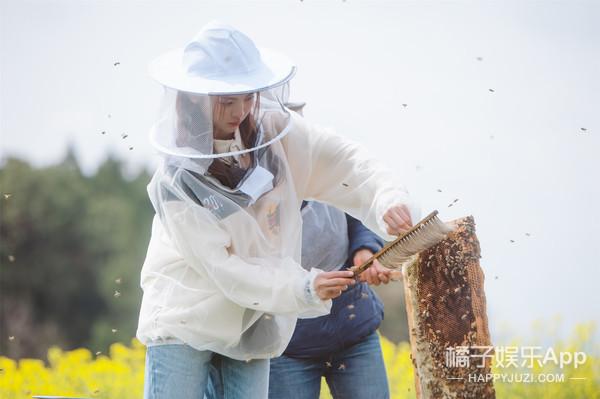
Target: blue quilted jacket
(354, 315)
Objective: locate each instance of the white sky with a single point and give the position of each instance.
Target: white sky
(516, 158)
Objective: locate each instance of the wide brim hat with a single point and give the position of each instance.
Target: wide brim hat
(221, 60)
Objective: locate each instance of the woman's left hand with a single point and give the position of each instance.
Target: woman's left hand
(397, 219)
(375, 274)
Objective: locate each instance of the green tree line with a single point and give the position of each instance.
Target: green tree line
(71, 249)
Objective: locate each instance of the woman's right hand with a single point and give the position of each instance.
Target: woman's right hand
(397, 219)
(329, 285)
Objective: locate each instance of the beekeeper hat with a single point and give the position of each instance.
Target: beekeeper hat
(221, 60)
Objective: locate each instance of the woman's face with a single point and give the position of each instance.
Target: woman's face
(229, 112)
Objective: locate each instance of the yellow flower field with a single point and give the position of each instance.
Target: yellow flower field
(120, 373)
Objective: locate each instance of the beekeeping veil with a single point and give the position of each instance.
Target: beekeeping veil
(225, 201)
(218, 92)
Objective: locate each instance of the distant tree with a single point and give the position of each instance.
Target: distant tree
(119, 209)
(48, 277)
(67, 243)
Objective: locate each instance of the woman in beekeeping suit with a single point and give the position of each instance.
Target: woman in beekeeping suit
(222, 281)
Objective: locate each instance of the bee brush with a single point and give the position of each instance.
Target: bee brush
(425, 234)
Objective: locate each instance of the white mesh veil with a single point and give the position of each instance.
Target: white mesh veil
(188, 123)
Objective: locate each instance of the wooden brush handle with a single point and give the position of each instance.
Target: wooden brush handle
(359, 269)
(395, 274)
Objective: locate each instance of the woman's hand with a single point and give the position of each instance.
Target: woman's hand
(397, 219)
(375, 274)
(329, 285)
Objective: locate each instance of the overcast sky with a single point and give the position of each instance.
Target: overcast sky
(516, 158)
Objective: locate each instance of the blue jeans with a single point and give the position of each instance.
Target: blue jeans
(355, 372)
(176, 371)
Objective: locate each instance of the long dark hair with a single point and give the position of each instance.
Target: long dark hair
(187, 111)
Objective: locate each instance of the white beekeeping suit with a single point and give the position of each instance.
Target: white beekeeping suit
(223, 272)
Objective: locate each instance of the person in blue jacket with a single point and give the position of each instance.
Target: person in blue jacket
(343, 346)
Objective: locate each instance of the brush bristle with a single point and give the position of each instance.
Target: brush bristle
(424, 237)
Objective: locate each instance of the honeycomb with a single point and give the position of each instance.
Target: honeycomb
(446, 310)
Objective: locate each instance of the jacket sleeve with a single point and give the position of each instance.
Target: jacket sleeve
(269, 284)
(337, 171)
(359, 237)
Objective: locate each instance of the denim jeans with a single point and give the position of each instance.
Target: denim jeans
(355, 372)
(178, 371)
